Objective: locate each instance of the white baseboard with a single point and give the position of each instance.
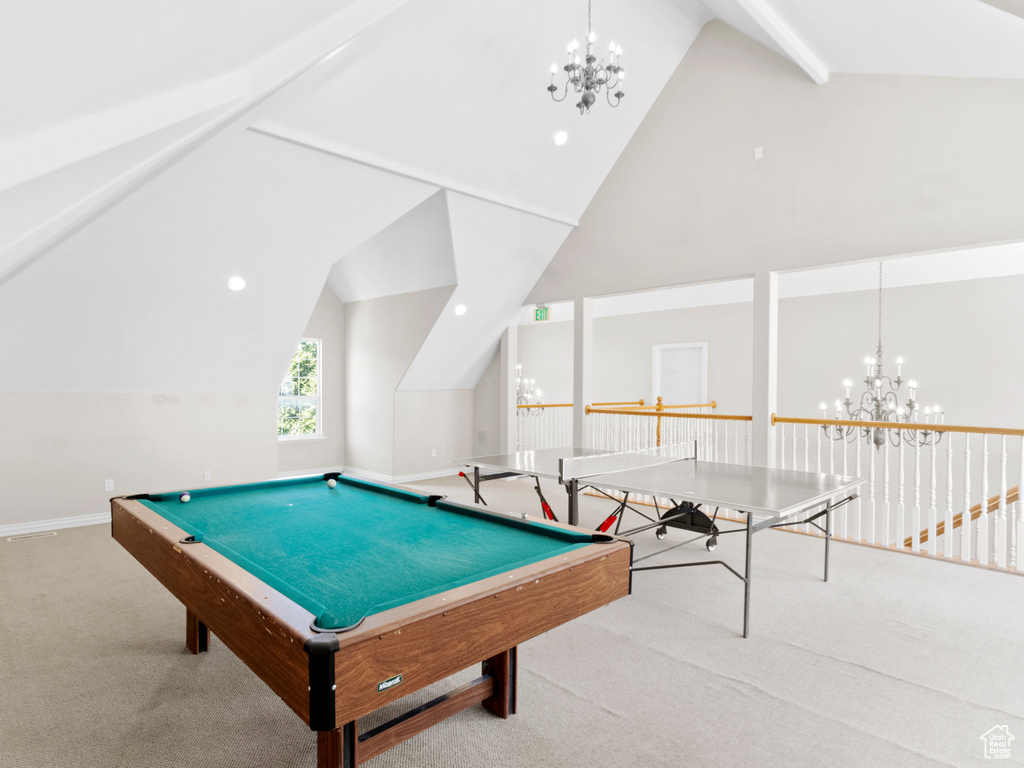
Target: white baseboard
(19, 529)
(427, 475)
(378, 477)
(365, 474)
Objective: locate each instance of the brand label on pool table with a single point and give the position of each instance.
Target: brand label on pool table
(391, 682)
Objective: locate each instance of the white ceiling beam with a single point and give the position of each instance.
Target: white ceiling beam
(290, 65)
(274, 130)
(28, 157)
(801, 55)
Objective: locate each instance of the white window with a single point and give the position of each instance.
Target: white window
(679, 373)
(298, 402)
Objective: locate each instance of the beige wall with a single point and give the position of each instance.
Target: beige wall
(959, 340)
(486, 405)
(327, 452)
(382, 336)
(432, 427)
(862, 167)
(59, 448)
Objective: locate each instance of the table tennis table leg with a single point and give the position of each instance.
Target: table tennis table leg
(476, 485)
(573, 487)
(828, 534)
(746, 577)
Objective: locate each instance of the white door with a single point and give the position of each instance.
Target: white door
(679, 373)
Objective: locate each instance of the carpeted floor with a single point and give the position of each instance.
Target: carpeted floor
(897, 661)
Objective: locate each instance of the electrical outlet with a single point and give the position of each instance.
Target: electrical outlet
(109, 485)
(207, 475)
(758, 153)
(433, 451)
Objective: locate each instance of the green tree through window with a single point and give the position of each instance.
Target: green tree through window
(298, 401)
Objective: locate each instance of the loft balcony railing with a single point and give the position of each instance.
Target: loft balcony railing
(955, 499)
(934, 500)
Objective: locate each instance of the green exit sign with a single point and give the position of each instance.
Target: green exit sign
(540, 313)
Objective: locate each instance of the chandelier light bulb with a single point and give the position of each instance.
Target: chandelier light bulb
(823, 407)
(554, 70)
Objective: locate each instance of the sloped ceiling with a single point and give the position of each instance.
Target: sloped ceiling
(412, 253)
(149, 150)
(1016, 7)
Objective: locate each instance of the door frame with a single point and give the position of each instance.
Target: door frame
(657, 349)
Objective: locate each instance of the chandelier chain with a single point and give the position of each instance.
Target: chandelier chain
(879, 307)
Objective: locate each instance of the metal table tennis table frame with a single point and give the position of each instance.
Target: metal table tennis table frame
(837, 493)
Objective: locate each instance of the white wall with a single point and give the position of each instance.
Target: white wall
(328, 451)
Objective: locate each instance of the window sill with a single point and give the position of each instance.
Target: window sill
(300, 438)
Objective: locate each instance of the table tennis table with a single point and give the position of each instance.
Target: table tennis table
(767, 498)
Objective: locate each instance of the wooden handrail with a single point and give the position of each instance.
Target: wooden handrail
(712, 404)
(1012, 495)
(667, 415)
(630, 403)
(900, 425)
(547, 405)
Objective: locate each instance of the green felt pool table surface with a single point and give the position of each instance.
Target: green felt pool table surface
(356, 549)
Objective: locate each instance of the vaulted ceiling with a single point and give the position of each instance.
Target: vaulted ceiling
(152, 149)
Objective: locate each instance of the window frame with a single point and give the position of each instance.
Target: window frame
(316, 399)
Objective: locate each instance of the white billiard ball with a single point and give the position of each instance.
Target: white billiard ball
(331, 483)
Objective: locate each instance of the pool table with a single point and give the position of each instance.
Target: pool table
(344, 595)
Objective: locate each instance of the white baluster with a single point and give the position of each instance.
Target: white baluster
(981, 534)
(947, 538)
(869, 534)
(1015, 531)
(793, 460)
(965, 515)
(886, 522)
(859, 520)
(782, 447)
(915, 513)
(999, 534)
(844, 512)
(807, 443)
(932, 515)
(901, 506)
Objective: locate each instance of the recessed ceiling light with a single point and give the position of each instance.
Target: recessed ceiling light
(460, 309)
(561, 137)
(236, 283)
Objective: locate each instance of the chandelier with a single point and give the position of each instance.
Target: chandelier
(526, 394)
(880, 402)
(588, 77)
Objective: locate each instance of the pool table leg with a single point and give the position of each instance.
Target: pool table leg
(197, 634)
(337, 748)
(503, 669)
